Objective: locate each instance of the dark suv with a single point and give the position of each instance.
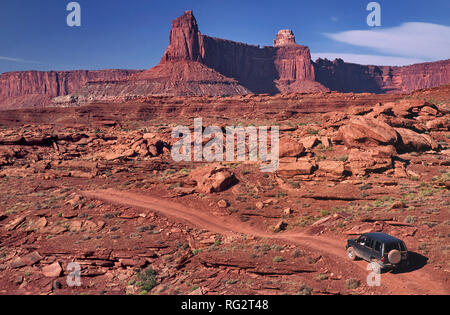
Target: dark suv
(388, 251)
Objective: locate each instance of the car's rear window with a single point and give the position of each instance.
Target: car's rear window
(391, 246)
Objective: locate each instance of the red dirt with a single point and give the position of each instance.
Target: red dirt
(277, 233)
(416, 282)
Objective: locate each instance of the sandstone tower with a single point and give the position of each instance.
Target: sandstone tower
(284, 38)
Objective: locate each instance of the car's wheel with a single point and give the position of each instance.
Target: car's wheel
(394, 257)
(351, 253)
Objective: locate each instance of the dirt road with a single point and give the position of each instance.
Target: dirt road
(415, 282)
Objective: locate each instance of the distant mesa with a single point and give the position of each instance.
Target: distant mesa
(199, 65)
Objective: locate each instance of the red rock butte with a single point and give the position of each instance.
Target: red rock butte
(199, 65)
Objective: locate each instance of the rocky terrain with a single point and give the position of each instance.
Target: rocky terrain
(96, 185)
(199, 65)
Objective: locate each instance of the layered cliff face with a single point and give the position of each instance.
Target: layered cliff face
(287, 67)
(36, 88)
(185, 40)
(260, 70)
(418, 76)
(178, 78)
(196, 64)
(347, 77)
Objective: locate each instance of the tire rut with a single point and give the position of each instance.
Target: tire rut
(416, 282)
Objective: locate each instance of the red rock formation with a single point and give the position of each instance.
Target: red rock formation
(260, 70)
(196, 64)
(185, 40)
(284, 38)
(347, 77)
(415, 77)
(176, 78)
(287, 67)
(36, 88)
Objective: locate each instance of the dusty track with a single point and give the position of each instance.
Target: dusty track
(415, 282)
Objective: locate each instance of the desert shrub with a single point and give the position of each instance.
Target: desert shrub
(352, 283)
(278, 259)
(147, 279)
(410, 219)
(322, 277)
(305, 290)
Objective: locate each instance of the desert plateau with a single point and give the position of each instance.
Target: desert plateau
(88, 179)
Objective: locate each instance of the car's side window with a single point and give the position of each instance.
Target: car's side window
(377, 246)
(369, 243)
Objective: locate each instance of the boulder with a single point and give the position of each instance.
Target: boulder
(213, 179)
(331, 168)
(32, 258)
(363, 132)
(326, 142)
(405, 108)
(52, 271)
(412, 141)
(281, 226)
(300, 167)
(222, 204)
(375, 160)
(441, 123)
(310, 142)
(290, 148)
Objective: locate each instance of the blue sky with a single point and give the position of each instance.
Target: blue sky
(134, 34)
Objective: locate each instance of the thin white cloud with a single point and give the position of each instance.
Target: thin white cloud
(414, 40)
(17, 60)
(368, 59)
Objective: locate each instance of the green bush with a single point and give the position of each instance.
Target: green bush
(147, 279)
(278, 259)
